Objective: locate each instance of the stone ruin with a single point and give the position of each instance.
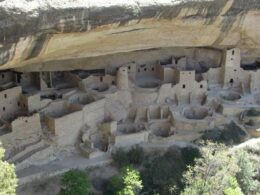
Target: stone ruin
(96, 111)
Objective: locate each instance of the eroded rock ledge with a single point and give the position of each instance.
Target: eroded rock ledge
(45, 35)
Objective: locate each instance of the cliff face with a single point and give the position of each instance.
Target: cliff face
(69, 34)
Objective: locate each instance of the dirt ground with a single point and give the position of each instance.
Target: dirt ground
(51, 186)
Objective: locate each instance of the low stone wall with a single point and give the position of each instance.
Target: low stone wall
(24, 126)
(190, 124)
(131, 139)
(94, 112)
(232, 110)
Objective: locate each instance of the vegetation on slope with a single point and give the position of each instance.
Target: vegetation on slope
(75, 182)
(8, 180)
(214, 169)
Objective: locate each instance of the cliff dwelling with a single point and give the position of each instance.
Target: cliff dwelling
(101, 109)
(98, 78)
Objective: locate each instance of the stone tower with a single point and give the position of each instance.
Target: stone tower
(122, 78)
(231, 66)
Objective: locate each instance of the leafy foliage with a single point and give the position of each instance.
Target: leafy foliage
(163, 174)
(127, 182)
(120, 158)
(189, 154)
(123, 158)
(75, 182)
(250, 123)
(213, 173)
(114, 184)
(247, 172)
(253, 112)
(135, 155)
(132, 182)
(8, 180)
(233, 187)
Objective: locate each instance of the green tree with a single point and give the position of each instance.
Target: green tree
(233, 187)
(8, 180)
(135, 155)
(75, 182)
(132, 182)
(123, 158)
(214, 173)
(162, 174)
(114, 184)
(120, 158)
(247, 172)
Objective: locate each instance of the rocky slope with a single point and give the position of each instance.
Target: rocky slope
(68, 34)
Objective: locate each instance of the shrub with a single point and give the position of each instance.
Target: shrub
(253, 112)
(247, 173)
(132, 182)
(127, 182)
(114, 184)
(123, 158)
(135, 155)
(250, 123)
(120, 158)
(162, 174)
(8, 180)
(75, 182)
(213, 173)
(189, 154)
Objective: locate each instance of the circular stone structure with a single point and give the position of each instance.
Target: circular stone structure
(195, 112)
(230, 95)
(149, 84)
(100, 87)
(161, 129)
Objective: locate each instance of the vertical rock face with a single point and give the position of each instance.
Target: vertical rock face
(42, 35)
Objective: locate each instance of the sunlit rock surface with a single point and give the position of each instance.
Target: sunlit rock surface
(75, 34)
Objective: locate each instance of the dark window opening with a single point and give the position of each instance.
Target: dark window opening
(231, 81)
(145, 69)
(235, 70)
(3, 108)
(5, 95)
(233, 52)
(253, 66)
(201, 86)
(19, 76)
(129, 67)
(3, 76)
(96, 71)
(166, 61)
(101, 79)
(176, 61)
(113, 82)
(183, 86)
(152, 68)
(26, 121)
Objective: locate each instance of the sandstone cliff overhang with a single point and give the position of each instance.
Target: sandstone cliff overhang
(38, 35)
